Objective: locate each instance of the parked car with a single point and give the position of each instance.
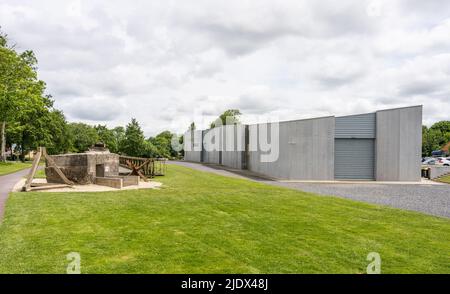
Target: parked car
(430, 161)
(437, 153)
(443, 161)
(425, 159)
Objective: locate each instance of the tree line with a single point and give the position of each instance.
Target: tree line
(435, 137)
(28, 118)
(129, 140)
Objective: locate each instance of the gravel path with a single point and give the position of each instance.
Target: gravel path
(426, 198)
(7, 183)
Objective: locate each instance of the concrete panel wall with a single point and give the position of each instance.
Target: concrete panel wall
(109, 182)
(233, 137)
(81, 167)
(306, 150)
(438, 171)
(212, 142)
(193, 142)
(398, 144)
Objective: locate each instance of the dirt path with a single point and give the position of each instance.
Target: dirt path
(7, 183)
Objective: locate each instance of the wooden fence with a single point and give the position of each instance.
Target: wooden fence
(150, 167)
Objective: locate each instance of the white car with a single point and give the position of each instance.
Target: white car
(430, 161)
(443, 161)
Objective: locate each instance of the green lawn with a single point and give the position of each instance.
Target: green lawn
(40, 174)
(444, 179)
(12, 166)
(204, 223)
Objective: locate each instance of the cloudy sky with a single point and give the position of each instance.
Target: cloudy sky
(168, 63)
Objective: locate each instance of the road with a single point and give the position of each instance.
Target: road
(7, 183)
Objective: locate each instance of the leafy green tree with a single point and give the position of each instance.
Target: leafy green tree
(83, 136)
(163, 144)
(442, 130)
(134, 142)
(435, 137)
(107, 136)
(21, 93)
(61, 138)
(150, 149)
(228, 117)
(443, 126)
(119, 137)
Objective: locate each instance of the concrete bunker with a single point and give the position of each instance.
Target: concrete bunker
(96, 166)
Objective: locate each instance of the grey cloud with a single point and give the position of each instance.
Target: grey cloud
(323, 20)
(419, 88)
(252, 104)
(174, 58)
(336, 81)
(97, 110)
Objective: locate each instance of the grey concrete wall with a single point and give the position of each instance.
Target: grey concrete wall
(129, 180)
(109, 182)
(193, 142)
(233, 137)
(437, 171)
(111, 162)
(306, 150)
(81, 167)
(399, 144)
(212, 142)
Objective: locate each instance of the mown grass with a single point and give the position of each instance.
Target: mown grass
(12, 166)
(40, 174)
(444, 179)
(205, 223)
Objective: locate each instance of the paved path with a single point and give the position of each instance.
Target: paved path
(426, 198)
(7, 182)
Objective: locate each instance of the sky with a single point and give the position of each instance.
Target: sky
(168, 63)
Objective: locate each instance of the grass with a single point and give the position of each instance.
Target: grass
(205, 223)
(12, 166)
(40, 174)
(444, 179)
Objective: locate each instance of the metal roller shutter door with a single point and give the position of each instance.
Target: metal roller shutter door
(354, 159)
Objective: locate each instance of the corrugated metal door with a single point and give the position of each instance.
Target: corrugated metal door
(354, 159)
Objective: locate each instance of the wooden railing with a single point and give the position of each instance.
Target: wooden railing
(150, 167)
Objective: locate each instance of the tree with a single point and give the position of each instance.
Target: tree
(150, 149)
(192, 127)
(119, 137)
(84, 136)
(20, 90)
(435, 137)
(442, 129)
(61, 138)
(107, 136)
(228, 117)
(443, 126)
(163, 144)
(134, 142)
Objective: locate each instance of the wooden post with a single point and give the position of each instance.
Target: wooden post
(33, 169)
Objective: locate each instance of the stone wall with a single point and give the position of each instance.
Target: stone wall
(109, 182)
(81, 168)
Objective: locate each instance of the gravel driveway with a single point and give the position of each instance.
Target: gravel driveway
(430, 199)
(426, 198)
